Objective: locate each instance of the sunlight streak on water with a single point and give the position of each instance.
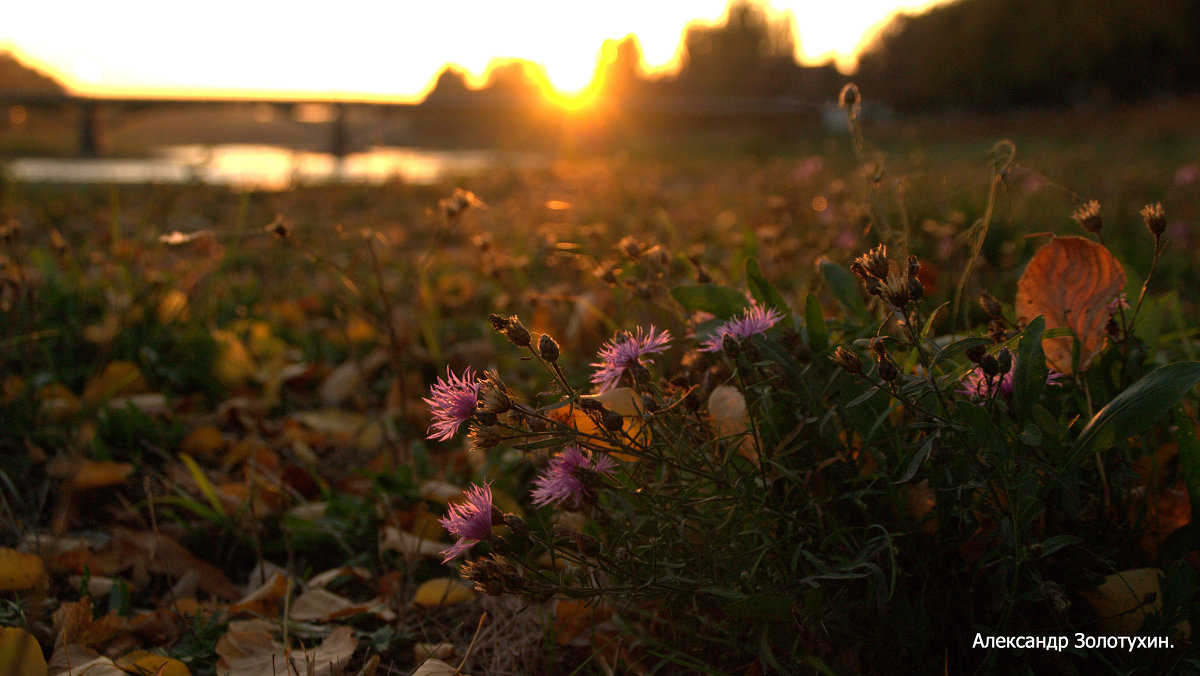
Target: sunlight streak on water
(266, 167)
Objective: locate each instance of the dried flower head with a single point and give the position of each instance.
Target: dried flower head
(846, 359)
(568, 477)
(483, 438)
(1088, 216)
(453, 401)
(755, 321)
(492, 394)
(1155, 218)
(874, 263)
(470, 520)
(623, 352)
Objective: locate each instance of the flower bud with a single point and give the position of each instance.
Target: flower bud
(547, 348)
(990, 365)
(888, 371)
(1005, 359)
(976, 352)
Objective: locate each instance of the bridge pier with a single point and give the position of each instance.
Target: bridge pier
(89, 129)
(339, 145)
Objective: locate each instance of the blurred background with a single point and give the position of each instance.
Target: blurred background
(254, 91)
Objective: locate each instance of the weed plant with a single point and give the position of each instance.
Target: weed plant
(869, 490)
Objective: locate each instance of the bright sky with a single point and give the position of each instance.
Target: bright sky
(374, 49)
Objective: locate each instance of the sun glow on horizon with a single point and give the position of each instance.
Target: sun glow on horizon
(360, 50)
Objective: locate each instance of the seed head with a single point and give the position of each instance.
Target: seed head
(547, 348)
(1155, 218)
(991, 306)
(888, 371)
(875, 262)
(1088, 216)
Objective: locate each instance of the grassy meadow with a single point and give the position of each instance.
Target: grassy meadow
(215, 453)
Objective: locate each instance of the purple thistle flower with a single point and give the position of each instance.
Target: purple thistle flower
(452, 402)
(564, 478)
(471, 521)
(754, 321)
(624, 351)
(976, 383)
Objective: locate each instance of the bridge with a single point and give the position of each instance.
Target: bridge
(92, 112)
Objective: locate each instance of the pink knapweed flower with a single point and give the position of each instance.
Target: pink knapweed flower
(976, 382)
(564, 478)
(754, 321)
(452, 401)
(471, 521)
(624, 351)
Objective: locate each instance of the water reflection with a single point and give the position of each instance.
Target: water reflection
(267, 167)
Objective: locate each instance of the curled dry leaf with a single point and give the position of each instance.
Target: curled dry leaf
(251, 650)
(1071, 281)
(436, 667)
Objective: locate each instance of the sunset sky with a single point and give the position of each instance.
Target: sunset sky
(371, 49)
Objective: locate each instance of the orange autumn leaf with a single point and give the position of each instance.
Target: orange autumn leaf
(98, 474)
(1071, 281)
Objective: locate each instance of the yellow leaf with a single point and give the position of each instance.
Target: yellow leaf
(19, 571)
(20, 654)
(1071, 281)
(57, 402)
(117, 379)
(442, 591)
(145, 663)
(234, 364)
(172, 306)
(204, 440)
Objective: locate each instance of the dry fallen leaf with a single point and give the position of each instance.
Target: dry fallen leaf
(252, 651)
(1125, 599)
(624, 401)
(19, 571)
(77, 660)
(727, 410)
(162, 554)
(98, 474)
(119, 378)
(143, 663)
(436, 667)
(20, 654)
(1071, 281)
(442, 591)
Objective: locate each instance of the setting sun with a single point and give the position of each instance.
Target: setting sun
(358, 49)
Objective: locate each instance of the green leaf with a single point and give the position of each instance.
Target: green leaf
(721, 301)
(1136, 409)
(844, 286)
(1189, 458)
(1029, 373)
(814, 321)
(763, 291)
(1053, 544)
